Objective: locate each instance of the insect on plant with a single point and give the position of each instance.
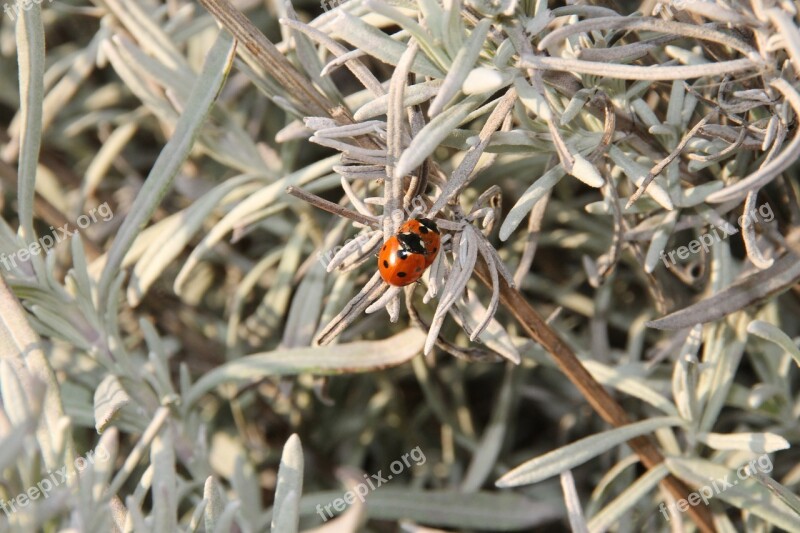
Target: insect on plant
(456, 172)
(406, 255)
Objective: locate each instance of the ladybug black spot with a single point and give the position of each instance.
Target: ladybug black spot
(418, 269)
(401, 274)
(423, 230)
(385, 263)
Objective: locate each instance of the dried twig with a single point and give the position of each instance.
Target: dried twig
(269, 58)
(331, 207)
(600, 400)
(661, 165)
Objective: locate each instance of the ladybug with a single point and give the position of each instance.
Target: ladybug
(405, 256)
(426, 229)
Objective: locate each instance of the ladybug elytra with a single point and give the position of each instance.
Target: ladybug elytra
(406, 255)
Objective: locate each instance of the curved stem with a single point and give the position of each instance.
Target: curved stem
(703, 33)
(600, 400)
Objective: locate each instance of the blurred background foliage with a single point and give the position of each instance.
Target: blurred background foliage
(191, 340)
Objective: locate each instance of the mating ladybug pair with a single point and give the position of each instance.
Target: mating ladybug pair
(406, 255)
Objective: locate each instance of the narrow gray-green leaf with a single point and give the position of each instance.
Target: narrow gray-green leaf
(577, 453)
(743, 493)
(630, 383)
(289, 488)
(533, 194)
(429, 138)
(20, 403)
(361, 356)
(478, 510)
(489, 511)
(753, 442)
(637, 174)
(172, 157)
(723, 353)
(586, 171)
(302, 318)
(495, 336)
(577, 521)
(637, 491)
(165, 483)
(106, 453)
(133, 458)
(485, 457)
(12, 444)
(377, 44)
(109, 398)
(215, 505)
(226, 519)
(431, 49)
(412, 95)
(30, 55)
(247, 207)
(772, 333)
(743, 293)
(170, 242)
(197, 515)
(786, 496)
(659, 240)
(20, 348)
(462, 65)
(533, 99)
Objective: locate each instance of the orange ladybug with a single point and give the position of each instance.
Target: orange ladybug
(426, 229)
(405, 256)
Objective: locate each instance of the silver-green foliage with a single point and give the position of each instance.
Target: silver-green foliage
(185, 389)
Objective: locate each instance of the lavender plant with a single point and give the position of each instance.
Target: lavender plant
(190, 364)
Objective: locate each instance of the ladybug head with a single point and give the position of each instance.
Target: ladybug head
(428, 224)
